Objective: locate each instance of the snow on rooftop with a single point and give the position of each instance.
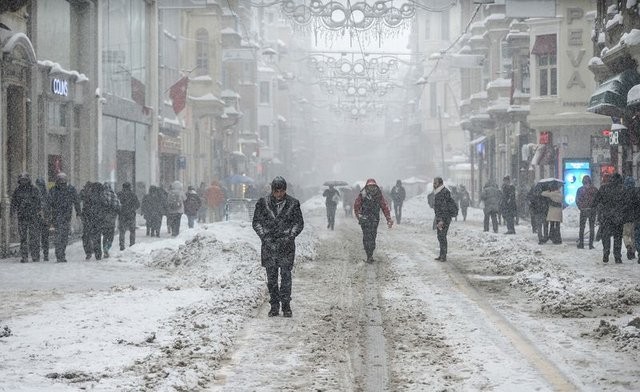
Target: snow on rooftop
(617, 19)
(595, 61)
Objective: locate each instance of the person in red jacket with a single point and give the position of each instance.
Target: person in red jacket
(584, 200)
(367, 208)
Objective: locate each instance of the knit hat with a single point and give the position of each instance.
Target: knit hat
(371, 181)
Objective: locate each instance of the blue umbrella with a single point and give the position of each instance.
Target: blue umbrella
(238, 179)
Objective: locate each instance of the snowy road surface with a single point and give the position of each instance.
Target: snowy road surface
(189, 314)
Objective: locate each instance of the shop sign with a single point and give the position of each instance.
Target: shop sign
(60, 87)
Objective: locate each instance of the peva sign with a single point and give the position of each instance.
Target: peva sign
(60, 87)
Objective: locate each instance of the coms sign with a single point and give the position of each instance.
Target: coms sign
(60, 87)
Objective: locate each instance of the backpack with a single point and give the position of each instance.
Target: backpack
(452, 207)
(174, 201)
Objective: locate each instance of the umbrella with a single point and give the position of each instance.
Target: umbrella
(545, 184)
(335, 183)
(238, 179)
(551, 179)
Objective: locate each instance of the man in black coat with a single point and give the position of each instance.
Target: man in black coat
(369, 202)
(508, 205)
(129, 203)
(398, 194)
(26, 204)
(442, 203)
(277, 220)
(332, 197)
(63, 198)
(45, 220)
(611, 202)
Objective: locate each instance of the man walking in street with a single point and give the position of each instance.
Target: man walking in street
(508, 205)
(585, 197)
(332, 198)
(277, 220)
(129, 203)
(611, 201)
(26, 204)
(444, 208)
(367, 208)
(63, 198)
(398, 194)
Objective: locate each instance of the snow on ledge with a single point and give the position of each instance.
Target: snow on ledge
(56, 68)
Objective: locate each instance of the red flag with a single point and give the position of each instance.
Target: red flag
(178, 94)
(137, 91)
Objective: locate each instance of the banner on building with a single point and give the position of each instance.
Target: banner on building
(178, 94)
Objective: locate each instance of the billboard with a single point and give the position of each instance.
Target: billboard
(573, 172)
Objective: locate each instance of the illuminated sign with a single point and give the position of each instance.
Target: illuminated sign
(574, 171)
(60, 87)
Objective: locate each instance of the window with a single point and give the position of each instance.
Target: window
(506, 62)
(444, 25)
(427, 26)
(202, 52)
(265, 94)
(545, 50)
(525, 83)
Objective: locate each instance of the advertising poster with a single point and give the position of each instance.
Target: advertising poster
(573, 171)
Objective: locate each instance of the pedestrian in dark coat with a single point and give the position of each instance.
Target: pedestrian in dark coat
(491, 198)
(554, 213)
(46, 218)
(109, 227)
(442, 202)
(277, 220)
(175, 207)
(367, 209)
(585, 197)
(508, 204)
(129, 204)
(202, 211)
(87, 245)
(398, 194)
(63, 198)
(539, 206)
(27, 205)
(95, 207)
(610, 200)
(153, 208)
(192, 205)
(332, 197)
(628, 235)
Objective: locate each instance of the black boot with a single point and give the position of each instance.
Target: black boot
(275, 310)
(286, 309)
(631, 254)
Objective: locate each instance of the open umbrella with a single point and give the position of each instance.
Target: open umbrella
(238, 179)
(335, 183)
(545, 183)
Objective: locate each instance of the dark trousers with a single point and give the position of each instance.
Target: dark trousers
(29, 231)
(509, 220)
(191, 220)
(154, 223)
(554, 232)
(442, 239)
(397, 209)
(590, 215)
(44, 239)
(61, 240)
(542, 227)
(279, 292)
(86, 238)
(173, 221)
(125, 225)
(494, 221)
(95, 234)
(464, 213)
(331, 215)
(369, 234)
(108, 233)
(609, 230)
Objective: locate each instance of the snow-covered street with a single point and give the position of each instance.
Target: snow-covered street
(190, 313)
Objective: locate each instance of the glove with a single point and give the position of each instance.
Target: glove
(440, 225)
(390, 223)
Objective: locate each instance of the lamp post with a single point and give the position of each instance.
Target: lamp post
(441, 143)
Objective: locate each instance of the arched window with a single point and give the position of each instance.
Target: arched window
(202, 52)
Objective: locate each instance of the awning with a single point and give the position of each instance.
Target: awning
(477, 140)
(545, 44)
(633, 96)
(610, 98)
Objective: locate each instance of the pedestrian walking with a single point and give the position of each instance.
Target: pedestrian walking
(63, 198)
(192, 205)
(610, 201)
(628, 236)
(445, 208)
(278, 220)
(87, 245)
(491, 198)
(175, 207)
(465, 202)
(508, 204)
(153, 208)
(554, 213)
(109, 222)
(367, 208)
(332, 198)
(398, 194)
(95, 209)
(215, 201)
(45, 221)
(129, 204)
(585, 198)
(203, 210)
(26, 204)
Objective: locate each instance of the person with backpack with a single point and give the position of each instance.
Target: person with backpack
(192, 205)
(445, 208)
(175, 207)
(367, 209)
